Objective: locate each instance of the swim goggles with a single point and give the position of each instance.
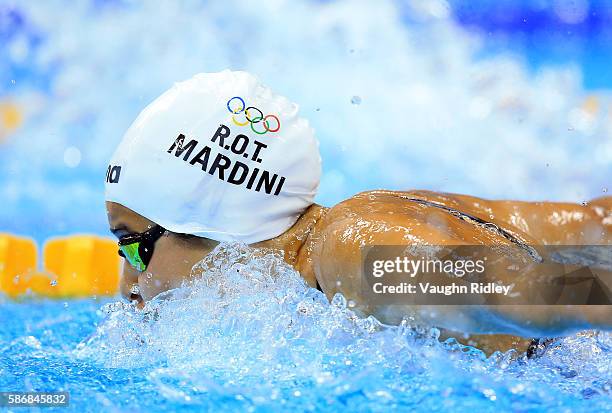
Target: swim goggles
(137, 248)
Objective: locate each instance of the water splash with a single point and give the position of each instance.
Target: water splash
(249, 329)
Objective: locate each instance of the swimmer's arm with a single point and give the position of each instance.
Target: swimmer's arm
(549, 320)
(520, 320)
(525, 320)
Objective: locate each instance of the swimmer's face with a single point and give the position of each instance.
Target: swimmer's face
(172, 260)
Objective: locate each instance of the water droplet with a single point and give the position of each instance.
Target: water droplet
(584, 203)
(339, 301)
(490, 394)
(13, 81)
(53, 283)
(318, 109)
(547, 164)
(32, 341)
(570, 128)
(72, 157)
(356, 100)
(604, 190)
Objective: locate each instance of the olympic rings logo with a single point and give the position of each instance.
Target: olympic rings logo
(253, 116)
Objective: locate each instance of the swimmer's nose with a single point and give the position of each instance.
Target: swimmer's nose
(129, 287)
(135, 296)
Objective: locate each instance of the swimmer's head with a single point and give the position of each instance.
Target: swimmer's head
(219, 157)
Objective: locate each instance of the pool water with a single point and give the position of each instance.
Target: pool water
(249, 335)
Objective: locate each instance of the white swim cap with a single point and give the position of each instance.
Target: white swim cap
(218, 156)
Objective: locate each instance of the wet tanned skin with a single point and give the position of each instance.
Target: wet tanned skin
(332, 255)
(324, 246)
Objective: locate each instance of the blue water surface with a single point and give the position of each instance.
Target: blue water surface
(249, 335)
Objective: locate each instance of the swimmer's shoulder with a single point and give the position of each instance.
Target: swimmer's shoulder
(385, 205)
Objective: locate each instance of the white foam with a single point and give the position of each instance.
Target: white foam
(250, 326)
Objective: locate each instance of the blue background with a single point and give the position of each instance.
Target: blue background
(504, 99)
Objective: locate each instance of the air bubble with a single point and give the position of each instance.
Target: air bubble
(356, 100)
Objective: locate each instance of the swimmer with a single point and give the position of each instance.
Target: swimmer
(220, 157)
